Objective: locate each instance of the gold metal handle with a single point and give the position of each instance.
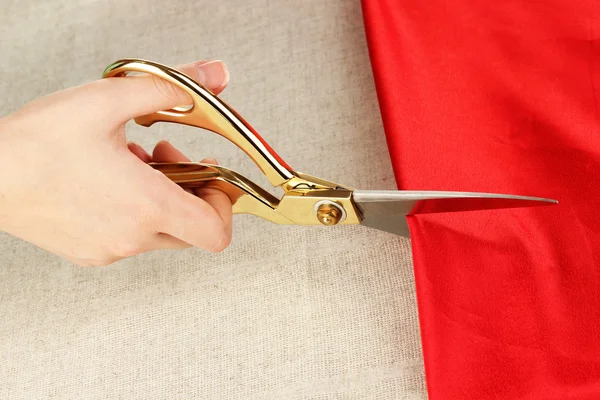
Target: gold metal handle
(307, 200)
(246, 196)
(207, 112)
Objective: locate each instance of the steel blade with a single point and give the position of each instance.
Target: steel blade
(386, 210)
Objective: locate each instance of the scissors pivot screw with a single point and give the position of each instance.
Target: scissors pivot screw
(329, 213)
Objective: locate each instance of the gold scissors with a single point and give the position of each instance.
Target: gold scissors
(307, 200)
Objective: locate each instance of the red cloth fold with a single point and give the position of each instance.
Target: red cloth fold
(499, 96)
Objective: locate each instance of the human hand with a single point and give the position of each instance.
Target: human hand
(70, 183)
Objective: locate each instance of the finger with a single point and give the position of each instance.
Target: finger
(213, 205)
(195, 221)
(209, 161)
(144, 94)
(166, 152)
(221, 203)
(139, 152)
(218, 200)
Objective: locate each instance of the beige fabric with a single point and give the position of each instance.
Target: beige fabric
(285, 312)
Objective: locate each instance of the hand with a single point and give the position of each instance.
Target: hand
(70, 183)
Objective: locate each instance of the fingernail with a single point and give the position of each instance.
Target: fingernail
(210, 161)
(213, 74)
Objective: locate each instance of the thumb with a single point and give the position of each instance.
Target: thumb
(144, 94)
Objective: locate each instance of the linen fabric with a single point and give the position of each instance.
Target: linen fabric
(285, 312)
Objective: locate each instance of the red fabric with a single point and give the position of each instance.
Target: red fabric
(499, 96)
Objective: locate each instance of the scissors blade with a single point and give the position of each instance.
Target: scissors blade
(386, 210)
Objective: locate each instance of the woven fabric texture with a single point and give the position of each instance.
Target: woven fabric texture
(284, 312)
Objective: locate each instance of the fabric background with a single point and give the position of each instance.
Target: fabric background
(285, 312)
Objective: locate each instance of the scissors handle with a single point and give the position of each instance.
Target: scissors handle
(207, 112)
(246, 196)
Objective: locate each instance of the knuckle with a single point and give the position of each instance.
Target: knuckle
(167, 89)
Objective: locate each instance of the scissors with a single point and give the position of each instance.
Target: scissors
(307, 200)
